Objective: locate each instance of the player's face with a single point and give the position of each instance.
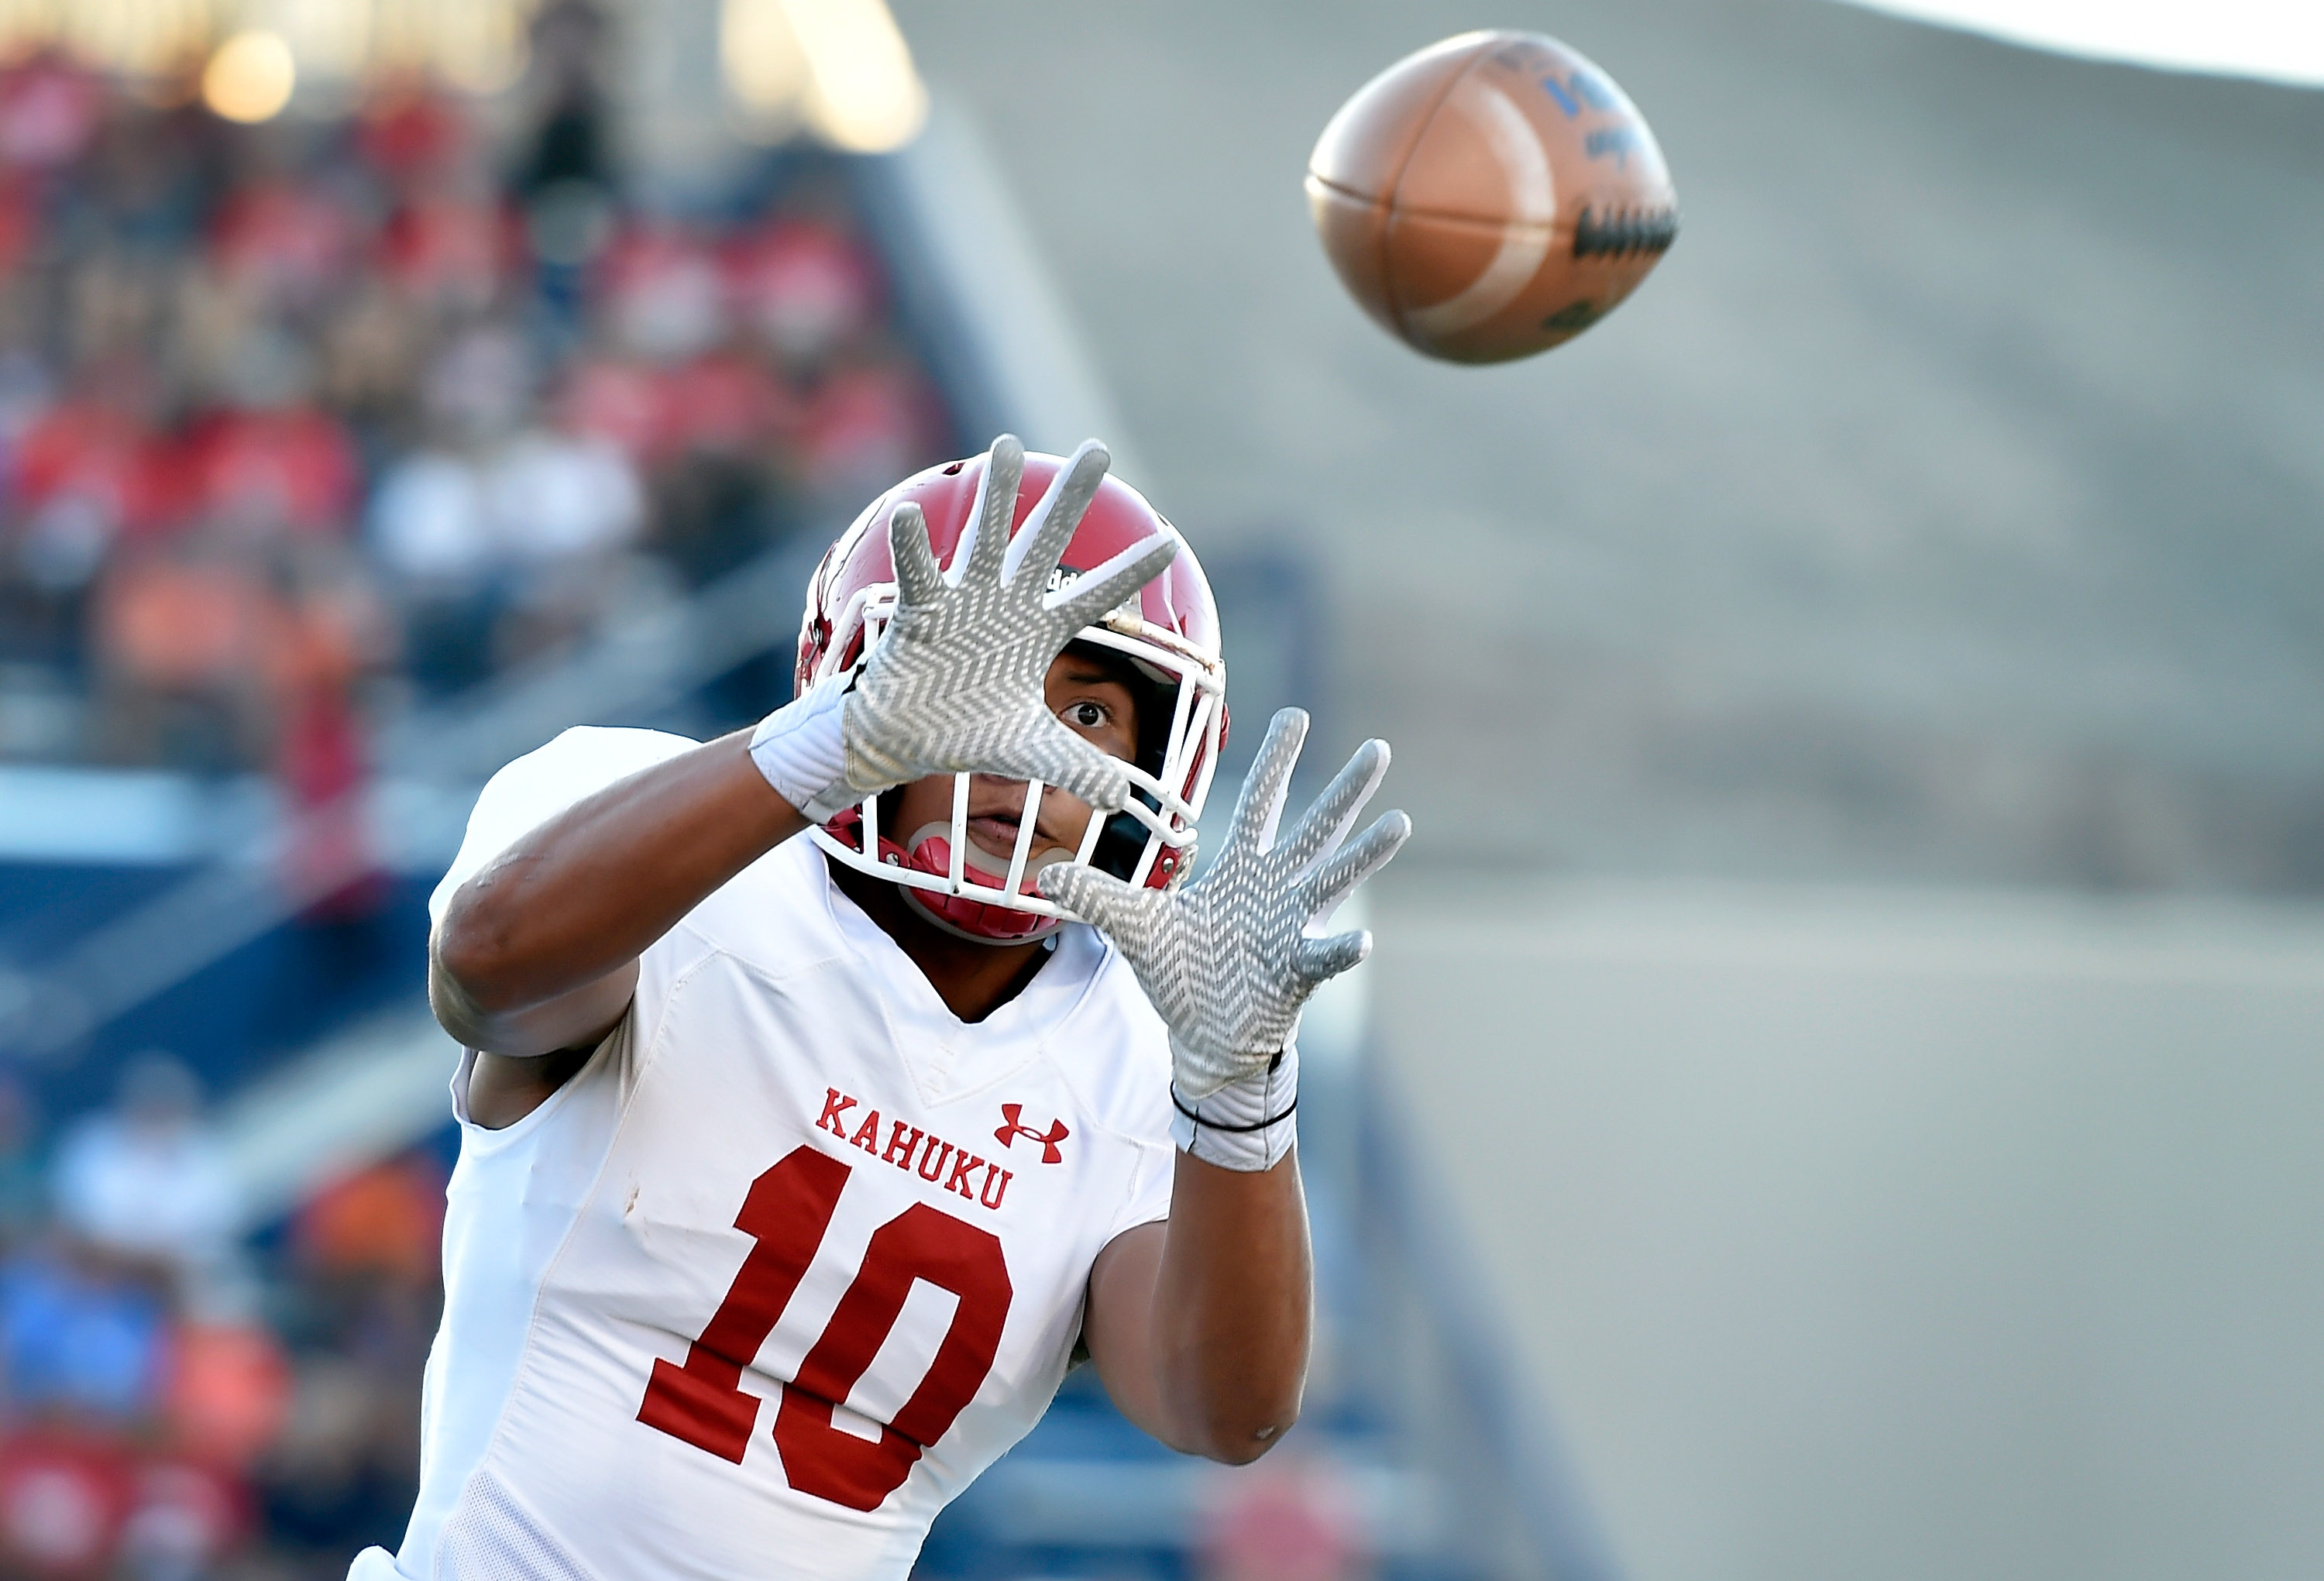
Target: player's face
(1096, 706)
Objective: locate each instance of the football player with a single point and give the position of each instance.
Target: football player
(795, 1172)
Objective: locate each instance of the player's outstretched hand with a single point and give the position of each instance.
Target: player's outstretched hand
(1226, 960)
(955, 683)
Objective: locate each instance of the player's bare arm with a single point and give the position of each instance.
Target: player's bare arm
(1200, 1325)
(537, 954)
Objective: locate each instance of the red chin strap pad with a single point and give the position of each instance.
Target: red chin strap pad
(974, 917)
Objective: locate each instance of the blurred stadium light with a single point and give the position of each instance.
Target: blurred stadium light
(839, 67)
(2266, 39)
(250, 77)
(477, 46)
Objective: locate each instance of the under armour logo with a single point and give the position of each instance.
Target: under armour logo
(1013, 1126)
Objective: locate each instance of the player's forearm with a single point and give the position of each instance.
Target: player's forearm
(1233, 1309)
(575, 901)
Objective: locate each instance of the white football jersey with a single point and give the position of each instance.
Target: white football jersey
(794, 1256)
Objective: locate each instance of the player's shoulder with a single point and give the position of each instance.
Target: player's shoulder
(530, 790)
(593, 754)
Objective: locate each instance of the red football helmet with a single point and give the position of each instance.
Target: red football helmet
(1169, 633)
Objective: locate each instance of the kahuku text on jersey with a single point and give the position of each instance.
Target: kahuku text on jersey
(941, 1162)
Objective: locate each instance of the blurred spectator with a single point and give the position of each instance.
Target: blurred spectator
(338, 1479)
(49, 109)
(665, 294)
(85, 472)
(144, 185)
(225, 1391)
(451, 247)
(370, 361)
(451, 252)
(146, 1181)
(804, 287)
(428, 527)
(23, 1196)
(345, 1469)
(186, 1515)
(1299, 1521)
(65, 1496)
(865, 424)
(566, 83)
(283, 241)
(272, 468)
(82, 1336)
(553, 498)
(411, 135)
(75, 1504)
(329, 633)
(507, 541)
(480, 386)
(222, 347)
(183, 628)
(385, 1223)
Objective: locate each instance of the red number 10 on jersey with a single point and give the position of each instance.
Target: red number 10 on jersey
(785, 1214)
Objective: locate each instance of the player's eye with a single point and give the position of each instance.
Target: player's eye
(1086, 715)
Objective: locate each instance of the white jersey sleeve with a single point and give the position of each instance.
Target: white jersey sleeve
(531, 791)
(543, 783)
(1150, 1194)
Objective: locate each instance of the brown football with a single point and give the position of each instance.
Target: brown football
(1490, 196)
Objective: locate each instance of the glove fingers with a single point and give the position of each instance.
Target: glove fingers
(1004, 469)
(1051, 526)
(1113, 582)
(1371, 852)
(1260, 804)
(1335, 812)
(1321, 959)
(1100, 899)
(1058, 756)
(918, 582)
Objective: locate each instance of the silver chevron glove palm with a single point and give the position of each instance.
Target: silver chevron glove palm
(1226, 960)
(955, 683)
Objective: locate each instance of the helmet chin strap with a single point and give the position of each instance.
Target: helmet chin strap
(931, 907)
(929, 850)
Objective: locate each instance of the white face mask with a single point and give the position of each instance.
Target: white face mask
(952, 879)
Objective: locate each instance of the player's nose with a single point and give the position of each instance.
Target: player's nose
(989, 793)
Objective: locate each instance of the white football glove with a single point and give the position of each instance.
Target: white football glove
(1226, 960)
(956, 683)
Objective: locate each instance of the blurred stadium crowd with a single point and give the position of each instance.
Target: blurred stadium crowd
(180, 1404)
(304, 427)
(304, 423)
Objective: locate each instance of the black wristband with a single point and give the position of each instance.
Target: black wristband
(1234, 1130)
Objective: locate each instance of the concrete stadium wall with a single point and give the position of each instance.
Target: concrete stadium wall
(1908, 1235)
(1943, 507)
